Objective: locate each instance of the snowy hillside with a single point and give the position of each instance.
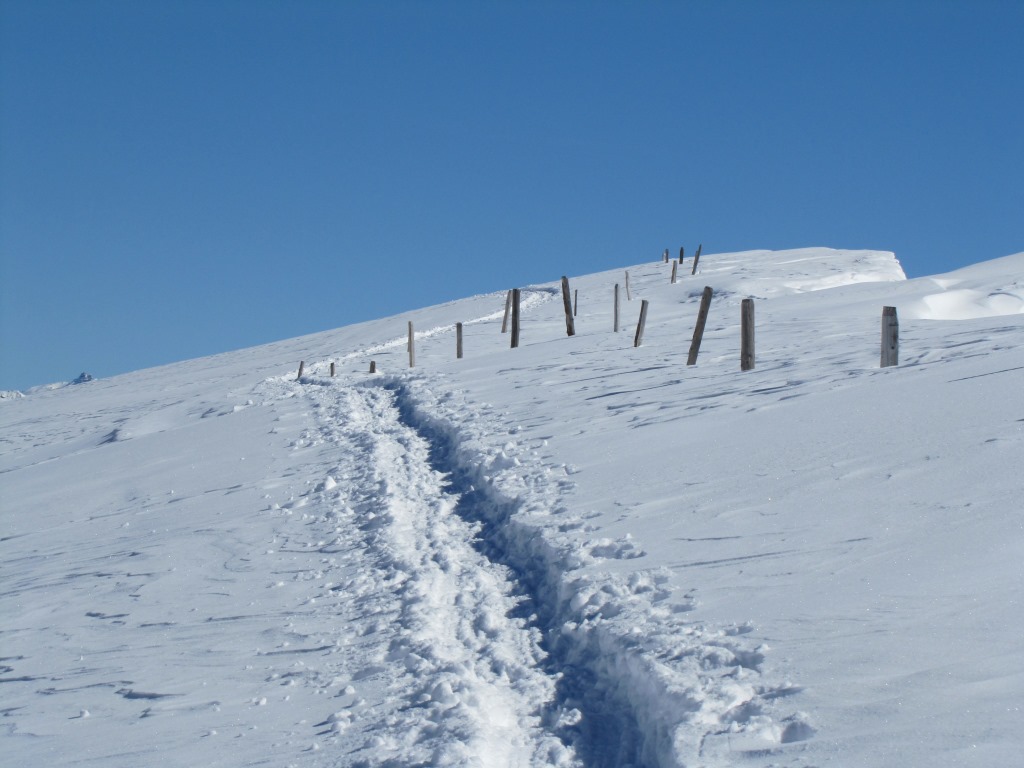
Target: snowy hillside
(574, 553)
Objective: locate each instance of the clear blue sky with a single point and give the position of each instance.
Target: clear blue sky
(184, 178)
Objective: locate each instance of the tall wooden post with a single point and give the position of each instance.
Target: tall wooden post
(508, 307)
(332, 369)
(458, 341)
(616, 309)
(665, 256)
(570, 326)
(680, 255)
(696, 258)
(747, 335)
(515, 318)
(412, 346)
(698, 329)
(890, 337)
(575, 301)
(302, 365)
(629, 296)
(675, 266)
(639, 337)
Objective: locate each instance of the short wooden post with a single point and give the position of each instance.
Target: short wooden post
(515, 318)
(639, 337)
(675, 266)
(616, 309)
(665, 256)
(890, 337)
(570, 326)
(696, 258)
(412, 346)
(747, 335)
(629, 296)
(332, 369)
(680, 255)
(698, 329)
(508, 307)
(373, 366)
(575, 301)
(458, 341)
(302, 365)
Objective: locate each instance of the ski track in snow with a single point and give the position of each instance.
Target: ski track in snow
(498, 653)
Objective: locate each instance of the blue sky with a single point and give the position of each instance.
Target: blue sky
(183, 178)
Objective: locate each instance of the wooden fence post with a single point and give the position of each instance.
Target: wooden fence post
(302, 365)
(680, 255)
(373, 366)
(639, 337)
(570, 326)
(675, 266)
(508, 307)
(664, 256)
(412, 346)
(698, 329)
(629, 296)
(747, 335)
(575, 301)
(615, 314)
(890, 337)
(332, 369)
(458, 341)
(515, 318)
(696, 258)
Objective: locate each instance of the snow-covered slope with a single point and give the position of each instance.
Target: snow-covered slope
(576, 552)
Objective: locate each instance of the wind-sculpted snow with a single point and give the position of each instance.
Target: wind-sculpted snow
(577, 552)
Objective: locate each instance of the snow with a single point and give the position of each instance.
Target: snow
(574, 553)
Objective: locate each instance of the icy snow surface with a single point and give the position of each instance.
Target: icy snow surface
(573, 553)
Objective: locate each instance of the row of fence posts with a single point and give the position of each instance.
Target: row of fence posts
(890, 323)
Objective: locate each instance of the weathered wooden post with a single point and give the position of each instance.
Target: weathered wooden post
(332, 369)
(412, 346)
(675, 266)
(508, 307)
(698, 329)
(615, 314)
(747, 335)
(458, 341)
(515, 318)
(570, 326)
(890, 337)
(664, 256)
(639, 337)
(302, 365)
(629, 296)
(680, 255)
(696, 258)
(575, 301)
(373, 366)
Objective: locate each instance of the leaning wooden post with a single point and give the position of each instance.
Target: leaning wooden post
(332, 369)
(373, 366)
(302, 365)
(616, 310)
(747, 335)
(412, 346)
(696, 258)
(629, 296)
(639, 337)
(515, 318)
(675, 266)
(570, 326)
(575, 301)
(698, 329)
(890, 337)
(680, 255)
(508, 307)
(458, 341)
